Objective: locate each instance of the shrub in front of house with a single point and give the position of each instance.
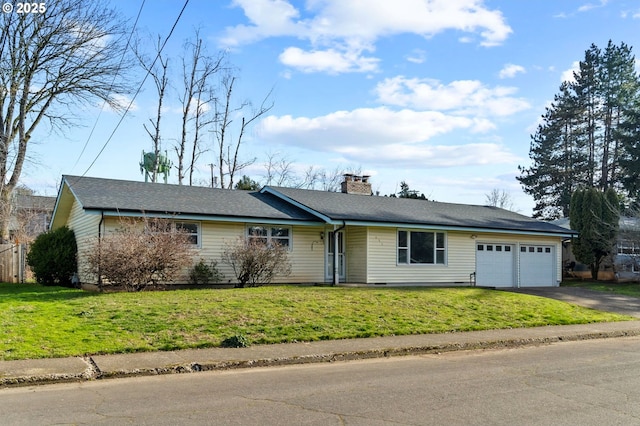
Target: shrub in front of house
(53, 257)
(139, 255)
(204, 273)
(255, 262)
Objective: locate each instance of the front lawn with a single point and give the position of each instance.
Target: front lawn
(627, 289)
(39, 322)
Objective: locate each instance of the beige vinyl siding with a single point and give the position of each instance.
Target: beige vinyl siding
(85, 228)
(356, 254)
(306, 255)
(460, 257)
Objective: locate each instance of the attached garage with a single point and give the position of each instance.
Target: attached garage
(515, 265)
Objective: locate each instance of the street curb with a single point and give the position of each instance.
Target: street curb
(93, 372)
(365, 354)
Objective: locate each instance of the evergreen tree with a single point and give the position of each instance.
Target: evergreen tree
(630, 162)
(247, 184)
(560, 164)
(406, 192)
(587, 135)
(595, 216)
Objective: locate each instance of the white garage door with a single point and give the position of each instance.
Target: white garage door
(537, 266)
(495, 265)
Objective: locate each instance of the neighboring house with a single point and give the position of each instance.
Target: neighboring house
(622, 265)
(350, 236)
(30, 217)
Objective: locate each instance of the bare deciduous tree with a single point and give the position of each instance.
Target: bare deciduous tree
(499, 198)
(139, 255)
(279, 170)
(197, 96)
(228, 150)
(51, 63)
(156, 67)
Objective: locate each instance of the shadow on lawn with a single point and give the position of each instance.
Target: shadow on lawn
(39, 293)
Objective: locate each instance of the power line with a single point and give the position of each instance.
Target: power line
(139, 88)
(111, 87)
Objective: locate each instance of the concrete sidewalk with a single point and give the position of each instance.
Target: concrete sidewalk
(42, 371)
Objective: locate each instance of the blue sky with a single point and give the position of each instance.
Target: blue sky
(443, 94)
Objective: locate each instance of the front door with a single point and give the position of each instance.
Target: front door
(330, 251)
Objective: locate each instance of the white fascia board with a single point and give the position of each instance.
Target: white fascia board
(452, 228)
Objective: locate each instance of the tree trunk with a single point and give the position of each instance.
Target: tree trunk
(5, 212)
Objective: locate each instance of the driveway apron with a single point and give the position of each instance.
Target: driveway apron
(601, 301)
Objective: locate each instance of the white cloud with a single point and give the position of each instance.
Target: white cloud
(567, 75)
(417, 56)
(423, 155)
(269, 18)
(372, 126)
(462, 96)
(511, 70)
(123, 103)
(589, 6)
(354, 26)
(330, 61)
(384, 137)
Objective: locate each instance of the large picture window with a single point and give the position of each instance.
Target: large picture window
(270, 235)
(421, 247)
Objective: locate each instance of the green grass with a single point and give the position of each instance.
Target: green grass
(627, 289)
(39, 322)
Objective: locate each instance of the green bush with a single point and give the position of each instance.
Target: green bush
(53, 257)
(235, 341)
(205, 273)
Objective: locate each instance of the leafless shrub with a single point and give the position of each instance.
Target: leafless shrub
(255, 262)
(140, 255)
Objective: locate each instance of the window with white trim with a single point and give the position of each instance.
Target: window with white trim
(421, 247)
(270, 235)
(628, 247)
(190, 229)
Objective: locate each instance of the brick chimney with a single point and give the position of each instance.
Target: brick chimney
(354, 184)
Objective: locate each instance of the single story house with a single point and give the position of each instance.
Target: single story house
(349, 236)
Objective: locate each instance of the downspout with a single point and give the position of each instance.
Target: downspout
(100, 249)
(336, 271)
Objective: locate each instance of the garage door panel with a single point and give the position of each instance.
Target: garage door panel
(495, 265)
(537, 266)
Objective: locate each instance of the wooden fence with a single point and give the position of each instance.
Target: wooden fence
(13, 263)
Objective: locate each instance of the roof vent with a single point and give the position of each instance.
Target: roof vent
(356, 184)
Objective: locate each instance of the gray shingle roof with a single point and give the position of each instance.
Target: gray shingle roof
(365, 208)
(273, 203)
(130, 196)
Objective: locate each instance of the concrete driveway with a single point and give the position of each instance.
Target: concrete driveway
(601, 301)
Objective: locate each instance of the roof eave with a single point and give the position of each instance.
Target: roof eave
(455, 228)
(201, 217)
